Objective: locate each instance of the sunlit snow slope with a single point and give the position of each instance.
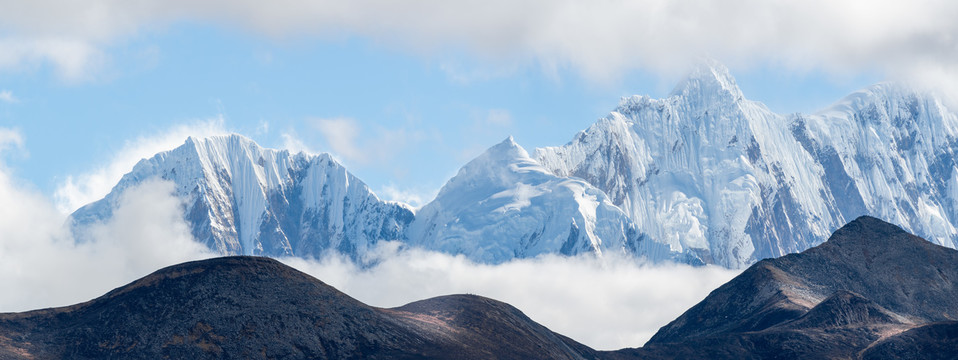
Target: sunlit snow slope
(503, 205)
(244, 199)
(706, 170)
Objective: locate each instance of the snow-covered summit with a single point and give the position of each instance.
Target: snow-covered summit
(707, 83)
(504, 205)
(709, 171)
(244, 199)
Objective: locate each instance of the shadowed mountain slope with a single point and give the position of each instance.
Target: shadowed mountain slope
(867, 285)
(252, 307)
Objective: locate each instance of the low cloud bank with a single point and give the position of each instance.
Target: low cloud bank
(42, 266)
(608, 303)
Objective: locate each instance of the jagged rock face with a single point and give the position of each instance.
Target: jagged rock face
(243, 199)
(707, 171)
(503, 205)
(250, 307)
(870, 282)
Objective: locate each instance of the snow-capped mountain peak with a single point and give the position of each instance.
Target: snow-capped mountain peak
(708, 82)
(504, 205)
(244, 199)
(708, 170)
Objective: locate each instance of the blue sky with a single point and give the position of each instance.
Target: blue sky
(402, 105)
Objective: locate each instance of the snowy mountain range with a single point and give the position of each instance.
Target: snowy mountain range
(707, 171)
(702, 176)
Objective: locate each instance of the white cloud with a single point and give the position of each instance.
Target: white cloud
(10, 138)
(263, 128)
(294, 144)
(347, 139)
(341, 135)
(499, 117)
(76, 191)
(610, 303)
(42, 266)
(599, 39)
(414, 198)
(7, 97)
(73, 59)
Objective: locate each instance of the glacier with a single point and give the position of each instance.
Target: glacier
(241, 198)
(706, 170)
(504, 205)
(702, 176)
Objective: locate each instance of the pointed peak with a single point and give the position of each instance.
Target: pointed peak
(507, 148)
(223, 138)
(869, 233)
(505, 152)
(709, 78)
(866, 222)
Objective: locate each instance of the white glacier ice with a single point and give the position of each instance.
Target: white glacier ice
(701, 176)
(504, 205)
(243, 199)
(708, 171)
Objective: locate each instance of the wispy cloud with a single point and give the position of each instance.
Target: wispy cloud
(7, 97)
(415, 198)
(360, 144)
(342, 134)
(498, 117)
(10, 138)
(78, 190)
(74, 59)
(294, 144)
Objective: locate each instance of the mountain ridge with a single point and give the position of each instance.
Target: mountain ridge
(258, 307)
(702, 176)
(710, 172)
(244, 199)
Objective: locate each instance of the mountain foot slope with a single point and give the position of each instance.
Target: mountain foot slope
(254, 307)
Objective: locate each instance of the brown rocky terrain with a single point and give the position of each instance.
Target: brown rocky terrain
(255, 307)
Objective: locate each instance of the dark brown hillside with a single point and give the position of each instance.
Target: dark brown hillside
(867, 285)
(253, 307)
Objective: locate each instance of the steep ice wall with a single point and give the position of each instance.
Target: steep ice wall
(240, 198)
